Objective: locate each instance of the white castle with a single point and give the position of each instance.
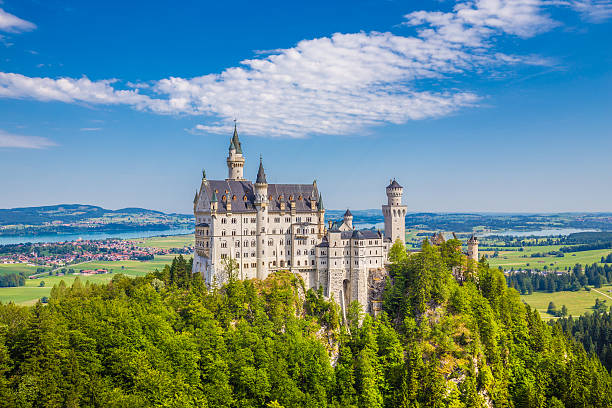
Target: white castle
(271, 227)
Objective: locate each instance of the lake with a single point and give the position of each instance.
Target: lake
(538, 233)
(4, 240)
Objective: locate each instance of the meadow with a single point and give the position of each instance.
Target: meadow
(31, 292)
(523, 260)
(577, 303)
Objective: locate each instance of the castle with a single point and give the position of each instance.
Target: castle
(271, 227)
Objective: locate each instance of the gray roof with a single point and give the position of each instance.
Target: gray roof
(242, 189)
(235, 141)
(348, 213)
(394, 184)
(261, 174)
(203, 224)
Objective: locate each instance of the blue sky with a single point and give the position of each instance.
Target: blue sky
(484, 105)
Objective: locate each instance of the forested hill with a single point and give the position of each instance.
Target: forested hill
(69, 213)
(164, 340)
(79, 218)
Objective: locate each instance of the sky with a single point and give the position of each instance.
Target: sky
(472, 105)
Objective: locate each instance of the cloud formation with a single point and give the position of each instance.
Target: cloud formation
(334, 85)
(24, 142)
(13, 24)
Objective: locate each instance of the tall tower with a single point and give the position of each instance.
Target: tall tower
(395, 213)
(348, 219)
(261, 205)
(235, 160)
(473, 248)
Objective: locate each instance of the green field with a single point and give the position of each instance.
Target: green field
(522, 259)
(175, 241)
(31, 292)
(27, 269)
(578, 303)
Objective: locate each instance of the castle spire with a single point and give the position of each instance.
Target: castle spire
(235, 159)
(321, 202)
(235, 140)
(261, 174)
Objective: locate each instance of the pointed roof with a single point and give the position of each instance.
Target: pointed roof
(214, 197)
(196, 197)
(261, 174)
(348, 213)
(321, 202)
(394, 184)
(235, 141)
(473, 239)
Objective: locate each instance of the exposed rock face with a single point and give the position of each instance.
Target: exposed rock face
(377, 281)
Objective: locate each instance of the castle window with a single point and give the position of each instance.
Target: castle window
(298, 252)
(253, 243)
(298, 219)
(223, 220)
(223, 244)
(312, 252)
(238, 244)
(312, 262)
(246, 254)
(237, 254)
(246, 265)
(233, 233)
(246, 232)
(222, 233)
(312, 230)
(287, 219)
(308, 219)
(277, 219)
(298, 264)
(253, 220)
(223, 256)
(253, 255)
(233, 220)
(246, 243)
(253, 265)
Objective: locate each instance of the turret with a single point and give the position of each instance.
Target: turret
(348, 219)
(261, 205)
(321, 223)
(214, 203)
(395, 213)
(235, 160)
(473, 248)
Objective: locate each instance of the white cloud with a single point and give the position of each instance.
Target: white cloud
(13, 24)
(24, 142)
(90, 129)
(596, 11)
(331, 85)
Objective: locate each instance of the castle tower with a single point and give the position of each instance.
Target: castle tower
(321, 223)
(395, 213)
(235, 160)
(348, 219)
(473, 248)
(261, 205)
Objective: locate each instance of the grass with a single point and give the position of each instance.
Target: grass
(175, 241)
(31, 292)
(522, 259)
(27, 269)
(577, 303)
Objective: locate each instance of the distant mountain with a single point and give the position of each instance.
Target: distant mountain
(69, 213)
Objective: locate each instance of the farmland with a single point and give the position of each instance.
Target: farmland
(577, 303)
(514, 259)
